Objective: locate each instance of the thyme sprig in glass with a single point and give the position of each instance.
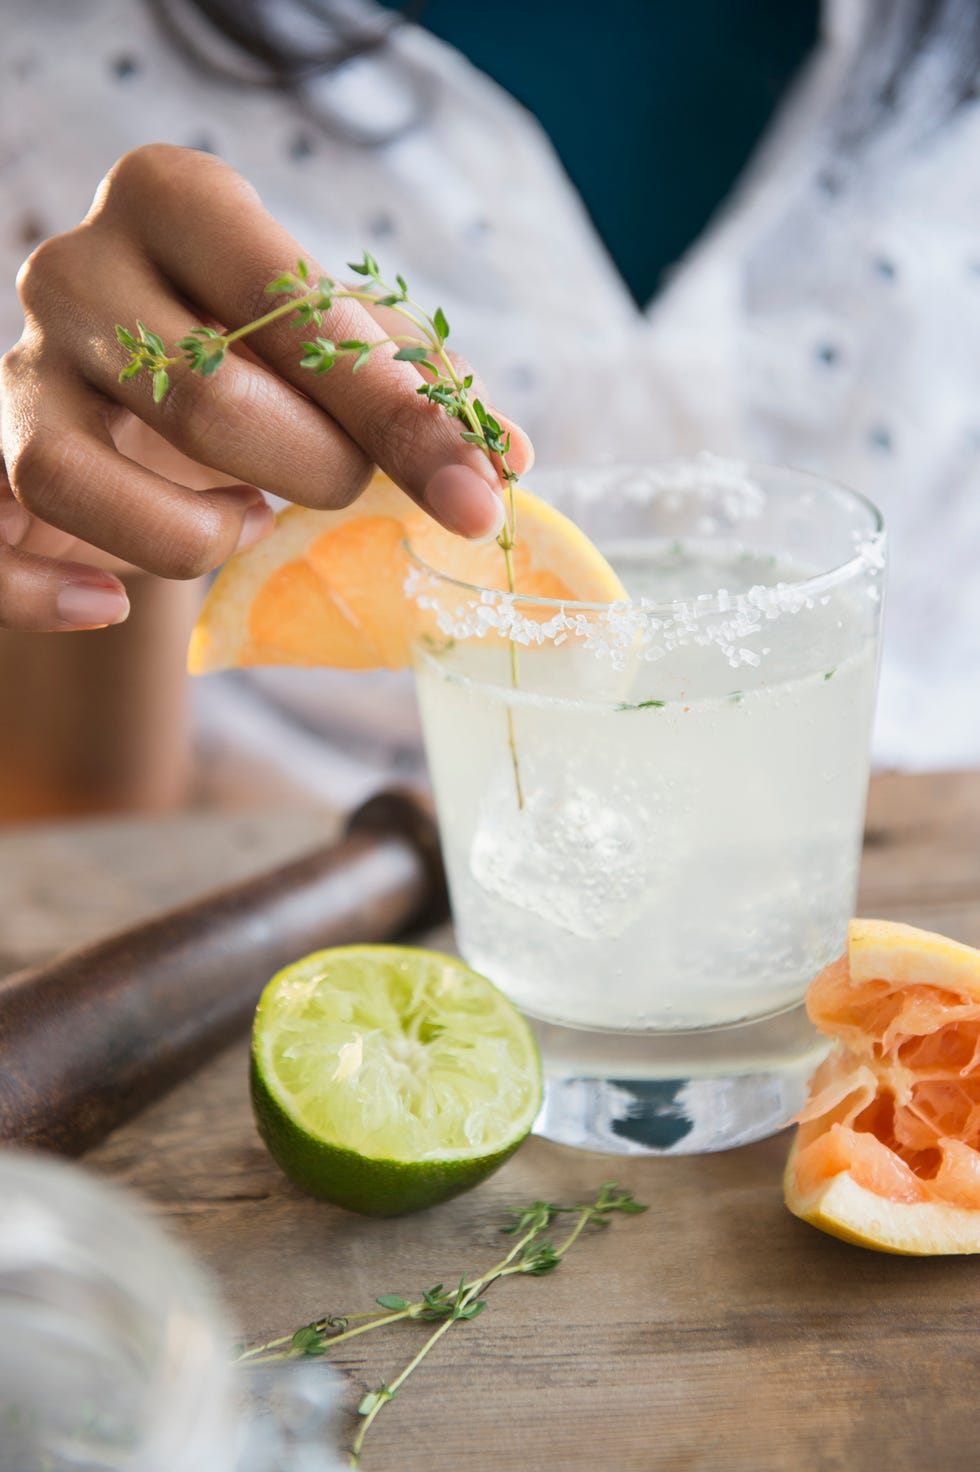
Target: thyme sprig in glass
(531, 1255)
(204, 349)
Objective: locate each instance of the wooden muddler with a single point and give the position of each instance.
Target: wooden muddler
(90, 1038)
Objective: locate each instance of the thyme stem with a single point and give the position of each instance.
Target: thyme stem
(508, 536)
(382, 1400)
(530, 1255)
(204, 349)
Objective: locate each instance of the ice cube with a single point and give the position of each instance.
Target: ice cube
(566, 856)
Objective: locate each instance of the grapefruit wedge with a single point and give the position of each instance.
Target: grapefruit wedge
(327, 587)
(887, 1153)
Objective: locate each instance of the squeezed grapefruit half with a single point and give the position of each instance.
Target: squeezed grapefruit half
(887, 1153)
(327, 587)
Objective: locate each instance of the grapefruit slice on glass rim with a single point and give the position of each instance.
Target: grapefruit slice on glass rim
(327, 587)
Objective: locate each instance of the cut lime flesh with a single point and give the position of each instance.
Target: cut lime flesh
(385, 1078)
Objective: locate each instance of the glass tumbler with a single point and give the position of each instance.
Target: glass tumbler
(652, 810)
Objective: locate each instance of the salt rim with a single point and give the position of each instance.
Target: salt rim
(644, 628)
(674, 482)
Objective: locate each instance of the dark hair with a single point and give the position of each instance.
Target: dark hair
(284, 46)
(915, 59)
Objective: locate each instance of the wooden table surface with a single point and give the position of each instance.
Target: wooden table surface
(713, 1332)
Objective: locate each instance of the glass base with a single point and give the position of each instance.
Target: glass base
(679, 1093)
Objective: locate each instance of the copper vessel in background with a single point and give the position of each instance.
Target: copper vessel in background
(96, 722)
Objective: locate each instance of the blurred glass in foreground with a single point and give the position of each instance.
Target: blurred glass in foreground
(115, 1354)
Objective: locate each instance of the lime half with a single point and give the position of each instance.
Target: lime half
(385, 1079)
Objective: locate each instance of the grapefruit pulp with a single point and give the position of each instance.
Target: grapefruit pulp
(887, 1153)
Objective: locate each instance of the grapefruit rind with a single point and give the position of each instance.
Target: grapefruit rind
(301, 598)
(886, 950)
(846, 1210)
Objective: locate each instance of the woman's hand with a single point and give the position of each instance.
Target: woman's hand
(176, 238)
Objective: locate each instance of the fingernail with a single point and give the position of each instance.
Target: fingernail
(519, 440)
(14, 522)
(528, 451)
(464, 502)
(527, 447)
(91, 605)
(496, 528)
(257, 523)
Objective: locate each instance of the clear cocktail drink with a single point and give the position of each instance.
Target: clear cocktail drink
(652, 839)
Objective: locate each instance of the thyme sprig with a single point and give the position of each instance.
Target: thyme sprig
(532, 1255)
(204, 349)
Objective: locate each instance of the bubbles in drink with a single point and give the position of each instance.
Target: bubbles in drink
(576, 861)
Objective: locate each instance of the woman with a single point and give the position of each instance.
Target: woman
(825, 319)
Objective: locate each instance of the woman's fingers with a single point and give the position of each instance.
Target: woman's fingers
(243, 421)
(39, 595)
(14, 520)
(65, 471)
(186, 209)
(183, 239)
(520, 457)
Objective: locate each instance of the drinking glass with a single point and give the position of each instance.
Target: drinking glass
(115, 1352)
(651, 810)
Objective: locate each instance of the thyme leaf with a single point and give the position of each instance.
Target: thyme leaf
(531, 1255)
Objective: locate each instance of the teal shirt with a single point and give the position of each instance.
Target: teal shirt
(653, 105)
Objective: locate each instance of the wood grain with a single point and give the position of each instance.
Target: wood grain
(715, 1332)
